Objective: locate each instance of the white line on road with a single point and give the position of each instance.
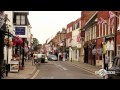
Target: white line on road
(60, 66)
(35, 74)
(47, 77)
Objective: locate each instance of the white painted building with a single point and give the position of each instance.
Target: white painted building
(75, 45)
(10, 22)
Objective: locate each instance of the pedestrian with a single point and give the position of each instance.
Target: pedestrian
(32, 57)
(107, 60)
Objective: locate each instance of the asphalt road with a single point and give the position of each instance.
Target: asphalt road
(62, 70)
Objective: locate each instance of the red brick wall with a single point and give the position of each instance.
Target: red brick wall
(118, 39)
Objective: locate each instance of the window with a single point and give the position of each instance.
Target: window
(109, 27)
(95, 31)
(73, 27)
(99, 30)
(105, 28)
(102, 29)
(91, 33)
(118, 51)
(18, 19)
(77, 25)
(22, 19)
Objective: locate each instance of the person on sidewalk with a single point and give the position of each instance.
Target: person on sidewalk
(32, 57)
(107, 60)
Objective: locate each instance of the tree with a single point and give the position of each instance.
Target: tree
(35, 44)
(35, 41)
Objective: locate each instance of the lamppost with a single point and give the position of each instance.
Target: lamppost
(1, 42)
(7, 67)
(104, 51)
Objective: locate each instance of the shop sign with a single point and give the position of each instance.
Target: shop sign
(19, 30)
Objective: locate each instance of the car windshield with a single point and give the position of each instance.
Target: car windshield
(53, 56)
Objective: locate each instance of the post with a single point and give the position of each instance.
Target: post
(104, 51)
(1, 52)
(7, 55)
(23, 52)
(2, 16)
(115, 37)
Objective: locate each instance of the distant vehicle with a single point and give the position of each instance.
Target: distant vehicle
(52, 57)
(116, 68)
(42, 58)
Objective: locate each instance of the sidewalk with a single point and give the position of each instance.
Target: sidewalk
(87, 67)
(27, 73)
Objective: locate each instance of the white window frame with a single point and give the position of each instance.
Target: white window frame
(99, 29)
(22, 19)
(90, 33)
(109, 26)
(105, 29)
(117, 49)
(95, 32)
(18, 19)
(102, 29)
(85, 35)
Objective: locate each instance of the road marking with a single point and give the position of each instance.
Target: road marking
(61, 67)
(33, 77)
(82, 68)
(47, 77)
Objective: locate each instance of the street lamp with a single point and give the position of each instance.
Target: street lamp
(7, 67)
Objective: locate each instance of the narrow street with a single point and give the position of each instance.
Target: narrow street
(62, 70)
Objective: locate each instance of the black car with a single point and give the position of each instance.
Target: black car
(115, 67)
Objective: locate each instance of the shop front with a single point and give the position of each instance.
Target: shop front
(110, 49)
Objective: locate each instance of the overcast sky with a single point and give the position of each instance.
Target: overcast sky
(46, 24)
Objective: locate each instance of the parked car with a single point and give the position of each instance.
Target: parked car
(115, 67)
(52, 57)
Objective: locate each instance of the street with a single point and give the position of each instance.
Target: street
(62, 70)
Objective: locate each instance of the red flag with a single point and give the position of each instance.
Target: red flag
(101, 20)
(112, 15)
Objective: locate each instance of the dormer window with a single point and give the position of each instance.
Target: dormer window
(20, 19)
